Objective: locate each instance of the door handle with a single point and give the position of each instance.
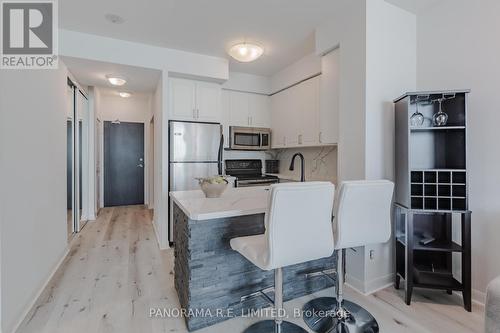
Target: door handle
(140, 165)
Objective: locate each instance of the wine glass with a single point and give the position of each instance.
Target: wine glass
(417, 118)
(440, 118)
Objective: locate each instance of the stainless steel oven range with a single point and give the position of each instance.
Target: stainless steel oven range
(248, 173)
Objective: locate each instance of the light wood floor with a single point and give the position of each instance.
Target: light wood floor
(115, 272)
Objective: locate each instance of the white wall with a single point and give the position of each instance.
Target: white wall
(160, 183)
(302, 69)
(347, 30)
(33, 235)
(135, 108)
(377, 49)
(458, 48)
(390, 71)
(86, 46)
(248, 83)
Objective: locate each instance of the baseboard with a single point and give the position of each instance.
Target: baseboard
(370, 287)
(158, 240)
(41, 289)
(354, 283)
(379, 283)
(478, 297)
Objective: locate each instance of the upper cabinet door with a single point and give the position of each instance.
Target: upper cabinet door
(182, 99)
(329, 98)
(308, 118)
(208, 102)
(259, 110)
(292, 115)
(238, 104)
(279, 119)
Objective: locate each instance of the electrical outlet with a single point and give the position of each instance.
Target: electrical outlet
(372, 254)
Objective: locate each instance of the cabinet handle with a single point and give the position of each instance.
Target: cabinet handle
(319, 137)
(248, 121)
(194, 113)
(197, 113)
(284, 140)
(300, 139)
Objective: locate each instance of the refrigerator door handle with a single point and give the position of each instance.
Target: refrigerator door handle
(219, 156)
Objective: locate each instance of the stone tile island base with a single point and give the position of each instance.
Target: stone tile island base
(210, 277)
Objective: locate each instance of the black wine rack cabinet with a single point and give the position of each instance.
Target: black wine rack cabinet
(432, 216)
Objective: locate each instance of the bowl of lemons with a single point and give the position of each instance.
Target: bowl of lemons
(213, 187)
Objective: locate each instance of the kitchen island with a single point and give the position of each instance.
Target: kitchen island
(211, 278)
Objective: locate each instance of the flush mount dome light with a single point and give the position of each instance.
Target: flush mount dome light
(246, 52)
(124, 94)
(116, 80)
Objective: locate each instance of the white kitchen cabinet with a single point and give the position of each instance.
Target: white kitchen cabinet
(292, 113)
(307, 100)
(182, 99)
(279, 118)
(295, 115)
(194, 100)
(249, 109)
(329, 98)
(238, 109)
(258, 110)
(208, 101)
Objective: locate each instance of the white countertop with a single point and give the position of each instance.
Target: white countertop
(233, 202)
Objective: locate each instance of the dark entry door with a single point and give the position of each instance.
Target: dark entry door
(123, 164)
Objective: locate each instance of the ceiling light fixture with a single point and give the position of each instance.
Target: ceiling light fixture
(124, 94)
(246, 52)
(116, 80)
(113, 18)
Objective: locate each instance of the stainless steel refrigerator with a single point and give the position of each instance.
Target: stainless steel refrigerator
(195, 150)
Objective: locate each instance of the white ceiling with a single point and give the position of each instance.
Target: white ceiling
(414, 6)
(93, 73)
(285, 28)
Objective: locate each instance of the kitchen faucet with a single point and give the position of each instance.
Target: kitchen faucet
(302, 178)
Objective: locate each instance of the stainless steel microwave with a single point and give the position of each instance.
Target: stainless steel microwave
(249, 138)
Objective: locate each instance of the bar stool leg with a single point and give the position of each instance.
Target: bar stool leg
(278, 325)
(334, 314)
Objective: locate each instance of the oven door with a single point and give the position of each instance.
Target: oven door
(255, 182)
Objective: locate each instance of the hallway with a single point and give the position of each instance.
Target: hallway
(115, 272)
(112, 274)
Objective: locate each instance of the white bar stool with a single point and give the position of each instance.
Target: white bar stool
(299, 213)
(362, 217)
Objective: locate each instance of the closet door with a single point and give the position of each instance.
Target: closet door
(82, 160)
(70, 162)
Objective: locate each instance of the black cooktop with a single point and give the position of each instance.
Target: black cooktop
(246, 169)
